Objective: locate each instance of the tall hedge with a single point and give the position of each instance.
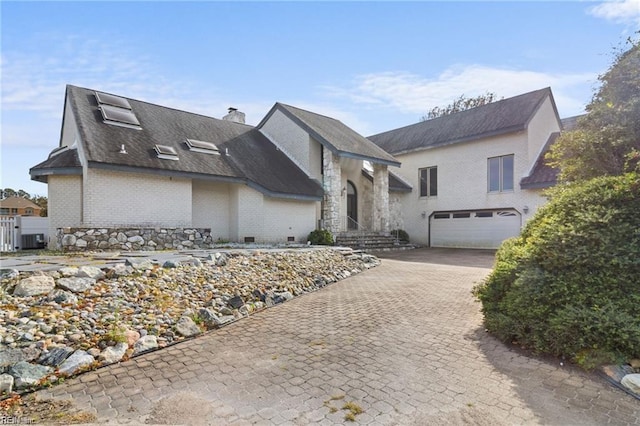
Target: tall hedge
(569, 285)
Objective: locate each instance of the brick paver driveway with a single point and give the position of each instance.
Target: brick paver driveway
(404, 342)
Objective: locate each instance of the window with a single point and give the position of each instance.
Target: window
(28, 211)
(484, 214)
(4, 210)
(429, 182)
(166, 152)
(462, 215)
(500, 173)
(202, 146)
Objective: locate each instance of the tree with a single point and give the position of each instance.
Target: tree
(606, 140)
(460, 104)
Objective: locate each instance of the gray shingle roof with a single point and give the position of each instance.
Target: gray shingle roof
(251, 158)
(64, 162)
(334, 135)
(395, 183)
(496, 118)
(570, 123)
(542, 175)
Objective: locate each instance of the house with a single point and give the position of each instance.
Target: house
(135, 172)
(129, 174)
(19, 206)
(478, 174)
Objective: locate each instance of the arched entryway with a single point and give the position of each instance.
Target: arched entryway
(352, 206)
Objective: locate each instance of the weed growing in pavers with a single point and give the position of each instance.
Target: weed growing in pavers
(353, 407)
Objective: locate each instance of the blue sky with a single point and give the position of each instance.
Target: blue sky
(375, 66)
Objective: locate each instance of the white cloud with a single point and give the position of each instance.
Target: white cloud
(34, 79)
(625, 11)
(410, 93)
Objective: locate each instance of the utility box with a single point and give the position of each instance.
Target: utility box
(33, 241)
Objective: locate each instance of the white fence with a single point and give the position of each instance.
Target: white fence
(23, 232)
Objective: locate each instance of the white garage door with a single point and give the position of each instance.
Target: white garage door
(473, 229)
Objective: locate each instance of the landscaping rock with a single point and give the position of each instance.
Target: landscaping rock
(26, 374)
(9, 274)
(76, 284)
(68, 271)
(170, 264)
(631, 382)
(78, 360)
(187, 328)
(90, 272)
(145, 343)
(10, 356)
(209, 318)
(235, 302)
(6, 383)
(139, 264)
(132, 337)
(62, 297)
(35, 285)
(56, 356)
(113, 354)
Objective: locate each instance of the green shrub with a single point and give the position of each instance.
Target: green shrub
(569, 285)
(400, 234)
(321, 237)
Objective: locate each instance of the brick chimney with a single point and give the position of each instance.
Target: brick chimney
(234, 115)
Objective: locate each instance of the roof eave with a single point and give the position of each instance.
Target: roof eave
(477, 137)
(367, 158)
(537, 185)
(42, 175)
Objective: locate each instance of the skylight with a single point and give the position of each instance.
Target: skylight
(106, 99)
(202, 146)
(166, 152)
(120, 116)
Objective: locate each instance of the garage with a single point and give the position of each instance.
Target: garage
(473, 228)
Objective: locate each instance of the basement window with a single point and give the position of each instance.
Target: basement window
(249, 239)
(166, 152)
(202, 146)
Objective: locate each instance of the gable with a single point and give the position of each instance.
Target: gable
(334, 135)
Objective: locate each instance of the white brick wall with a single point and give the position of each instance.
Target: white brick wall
(211, 208)
(288, 218)
(270, 220)
(462, 181)
(64, 195)
(115, 199)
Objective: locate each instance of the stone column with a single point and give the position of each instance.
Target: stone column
(332, 180)
(380, 198)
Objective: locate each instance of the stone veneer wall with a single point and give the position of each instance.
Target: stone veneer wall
(81, 239)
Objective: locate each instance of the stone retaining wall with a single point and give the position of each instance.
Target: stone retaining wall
(148, 239)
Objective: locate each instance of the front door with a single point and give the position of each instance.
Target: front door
(352, 206)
